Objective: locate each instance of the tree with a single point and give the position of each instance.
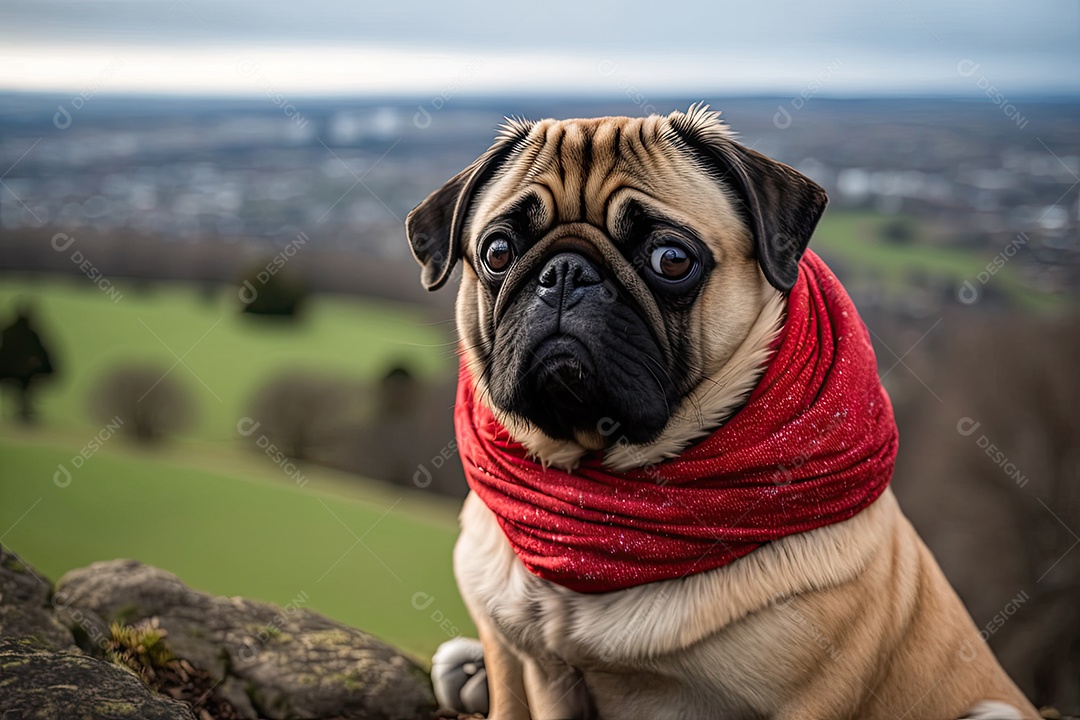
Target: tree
(307, 415)
(898, 231)
(989, 474)
(24, 360)
(150, 402)
(399, 428)
(266, 291)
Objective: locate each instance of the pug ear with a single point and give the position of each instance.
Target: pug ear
(435, 226)
(781, 205)
(429, 227)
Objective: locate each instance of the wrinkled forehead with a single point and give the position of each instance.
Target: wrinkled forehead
(595, 170)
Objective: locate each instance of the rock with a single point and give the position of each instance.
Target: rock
(222, 658)
(25, 609)
(43, 674)
(41, 684)
(270, 662)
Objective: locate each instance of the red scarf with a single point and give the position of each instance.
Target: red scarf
(814, 445)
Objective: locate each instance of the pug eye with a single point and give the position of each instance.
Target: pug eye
(498, 254)
(671, 262)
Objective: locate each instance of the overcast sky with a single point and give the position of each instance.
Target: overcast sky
(481, 46)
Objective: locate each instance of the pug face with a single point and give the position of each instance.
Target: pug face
(611, 267)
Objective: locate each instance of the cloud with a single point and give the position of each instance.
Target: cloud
(897, 46)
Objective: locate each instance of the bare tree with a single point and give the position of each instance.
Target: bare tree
(151, 402)
(989, 472)
(306, 414)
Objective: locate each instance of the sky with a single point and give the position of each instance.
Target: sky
(478, 47)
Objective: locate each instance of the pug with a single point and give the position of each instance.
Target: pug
(677, 444)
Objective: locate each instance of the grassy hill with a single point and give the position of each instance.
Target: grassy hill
(229, 524)
(896, 269)
(226, 355)
(209, 506)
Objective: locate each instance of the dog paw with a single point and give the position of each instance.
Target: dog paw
(992, 711)
(459, 677)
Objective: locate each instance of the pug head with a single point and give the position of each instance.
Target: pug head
(612, 269)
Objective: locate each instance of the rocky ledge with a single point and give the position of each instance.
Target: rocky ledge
(121, 639)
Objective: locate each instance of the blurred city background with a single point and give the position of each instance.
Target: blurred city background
(216, 357)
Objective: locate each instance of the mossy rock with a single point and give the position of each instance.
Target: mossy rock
(25, 609)
(39, 684)
(270, 662)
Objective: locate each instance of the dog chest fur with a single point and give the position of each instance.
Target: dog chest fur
(680, 648)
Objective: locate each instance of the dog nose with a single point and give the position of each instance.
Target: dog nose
(566, 278)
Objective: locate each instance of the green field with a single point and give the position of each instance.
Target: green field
(209, 506)
(857, 238)
(243, 530)
(226, 355)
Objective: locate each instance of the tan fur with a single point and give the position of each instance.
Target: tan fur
(852, 620)
(655, 171)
